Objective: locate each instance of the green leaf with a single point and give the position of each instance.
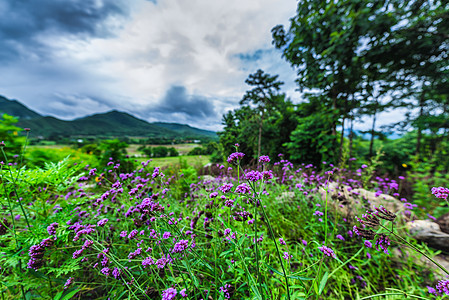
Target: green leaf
(323, 282)
(58, 295)
(274, 270)
(70, 295)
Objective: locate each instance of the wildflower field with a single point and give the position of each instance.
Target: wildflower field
(273, 231)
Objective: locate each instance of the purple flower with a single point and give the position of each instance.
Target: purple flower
(287, 256)
(51, 229)
(281, 241)
(180, 246)
(68, 283)
(147, 262)
(169, 294)
(102, 222)
(106, 271)
(166, 235)
(267, 175)
(264, 159)
(226, 187)
(443, 286)
(318, 213)
(77, 253)
(368, 244)
(235, 156)
(340, 237)
(183, 293)
(432, 291)
(116, 273)
(132, 234)
(382, 242)
(440, 192)
(328, 251)
(253, 176)
(92, 172)
(213, 195)
(224, 290)
(243, 189)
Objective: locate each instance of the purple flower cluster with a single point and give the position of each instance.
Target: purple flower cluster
(236, 156)
(225, 290)
(169, 294)
(440, 192)
(382, 242)
(243, 189)
(253, 176)
(51, 229)
(267, 175)
(102, 222)
(264, 159)
(443, 287)
(180, 246)
(226, 187)
(328, 251)
(36, 253)
(68, 282)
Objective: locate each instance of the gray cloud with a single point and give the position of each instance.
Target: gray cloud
(23, 22)
(177, 101)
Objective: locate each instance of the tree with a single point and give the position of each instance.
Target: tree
(323, 43)
(173, 152)
(9, 134)
(160, 151)
(263, 96)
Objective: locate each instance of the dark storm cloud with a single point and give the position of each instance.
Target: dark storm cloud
(176, 101)
(23, 21)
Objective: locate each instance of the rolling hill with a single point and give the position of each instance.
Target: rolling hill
(110, 124)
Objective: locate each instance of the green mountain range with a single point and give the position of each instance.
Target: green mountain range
(110, 124)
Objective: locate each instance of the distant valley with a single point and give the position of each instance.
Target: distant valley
(110, 124)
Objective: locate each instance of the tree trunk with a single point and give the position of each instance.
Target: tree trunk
(340, 154)
(351, 136)
(371, 143)
(260, 139)
(419, 137)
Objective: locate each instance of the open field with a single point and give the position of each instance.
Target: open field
(191, 160)
(182, 148)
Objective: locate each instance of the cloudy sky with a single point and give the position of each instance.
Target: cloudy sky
(181, 61)
(163, 60)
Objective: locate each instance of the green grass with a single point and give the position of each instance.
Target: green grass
(191, 160)
(182, 148)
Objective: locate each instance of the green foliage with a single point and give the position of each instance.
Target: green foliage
(115, 151)
(59, 193)
(9, 135)
(312, 140)
(160, 151)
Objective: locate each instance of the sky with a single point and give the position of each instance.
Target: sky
(182, 61)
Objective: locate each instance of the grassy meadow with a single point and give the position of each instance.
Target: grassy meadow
(155, 229)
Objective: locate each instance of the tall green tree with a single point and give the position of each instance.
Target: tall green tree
(263, 96)
(324, 44)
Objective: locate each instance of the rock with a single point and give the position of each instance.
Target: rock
(207, 178)
(401, 254)
(351, 201)
(443, 221)
(430, 233)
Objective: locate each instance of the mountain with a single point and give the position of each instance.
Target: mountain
(111, 124)
(16, 109)
(186, 129)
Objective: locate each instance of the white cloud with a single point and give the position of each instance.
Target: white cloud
(193, 44)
